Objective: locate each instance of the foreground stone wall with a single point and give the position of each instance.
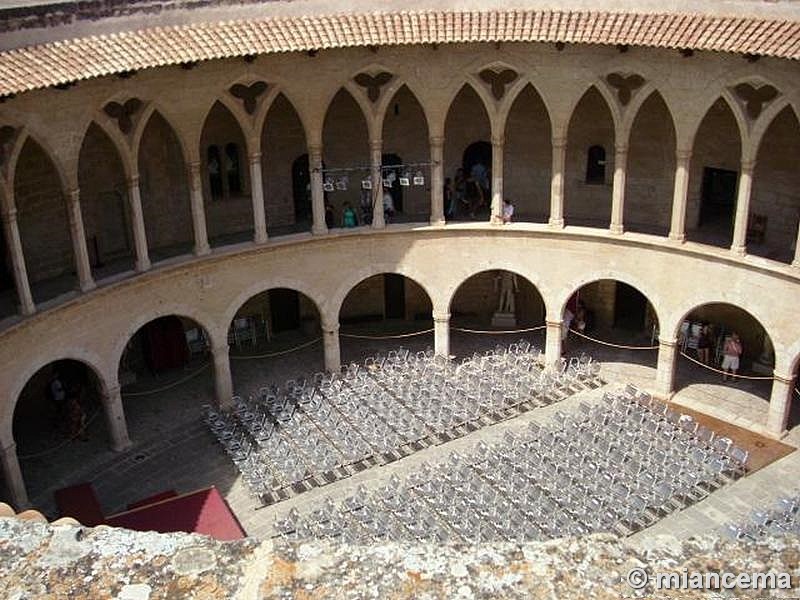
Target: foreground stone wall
(43, 561)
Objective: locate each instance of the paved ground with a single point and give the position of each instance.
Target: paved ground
(173, 449)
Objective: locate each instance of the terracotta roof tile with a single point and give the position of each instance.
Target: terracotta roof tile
(60, 62)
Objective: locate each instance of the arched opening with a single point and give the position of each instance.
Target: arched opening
(345, 146)
(8, 287)
(382, 306)
(43, 224)
(650, 169)
(466, 160)
(618, 314)
(263, 334)
(589, 162)
(775, 199)
(714, 178)
(405, 142)
(59, 427)
(527, 157)
(165, 376)
(104, 205)
(226, 180)
(164, 190)
(494, 300)
(703, 336)
(285, 172)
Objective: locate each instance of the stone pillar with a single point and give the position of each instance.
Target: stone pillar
(137, 223)
(552, 343)
(78, 235)
(376, 158)
(557, 183)
(223, 385)
(618, 191)
(665, 368)
(201, 246)
(12, 475)
(437, 181)
(11, 230)
(496, 216)
(780, 402)
(796, 261)
(330, 342)
(677, 231)
(441, 334)
(739, 245)
(115, 419)
(319, 227)
(257, 195)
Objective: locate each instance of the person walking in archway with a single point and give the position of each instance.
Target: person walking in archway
(731, 353)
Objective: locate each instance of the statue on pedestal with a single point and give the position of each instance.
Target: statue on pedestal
(506, 283)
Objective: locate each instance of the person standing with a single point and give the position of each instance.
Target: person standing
(508, 211)
(349, 216)
(731, 353)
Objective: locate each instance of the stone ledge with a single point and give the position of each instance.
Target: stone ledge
(39, 560)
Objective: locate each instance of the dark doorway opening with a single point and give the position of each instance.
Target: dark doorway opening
(477, 163)
(394, 296)
(394, 175)
(301, 188)
(284, 308)
(165, 345)
(630, 308)
(718, 202)
(6, 275)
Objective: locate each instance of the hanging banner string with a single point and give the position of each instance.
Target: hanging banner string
(281, 353)
(385, 337)
(710, 368)
(499, 331)
(621, 346)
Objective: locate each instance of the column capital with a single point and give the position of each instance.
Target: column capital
(441, 317)
(329, 329)
(9, 216)
(314, 149)
(748, 165)
(551, 323)
(376, 145)
(620, 148)
(254, 157)
(74, 194)
(220, 349)
(781, 378)
(558, 142)
(498, 140)
(436, 140)
(683, 154)
(133, 180)
(113, 390)
(193, 167)
(671, 343)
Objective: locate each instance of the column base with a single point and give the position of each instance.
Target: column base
(27, 311)
(202, 251)
(88, 286)
(739, 250)
(796, 264)
(678, 238)
(122, 446)
(379, 224)
(438, 222)
(322, 230)
(556, 223)
(261, 239)
(615, 229)
(142, 267)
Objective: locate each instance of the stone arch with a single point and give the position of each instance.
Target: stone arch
(650, 169)
(389, 94)
(484, 297)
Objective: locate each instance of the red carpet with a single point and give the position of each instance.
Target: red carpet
(79, 502)
(204, 511)
(153, 499)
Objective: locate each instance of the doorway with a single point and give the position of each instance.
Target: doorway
(630, 308)
(394, 175)
(284, 309)
(394, 296)
(301, 188)
(718, 201)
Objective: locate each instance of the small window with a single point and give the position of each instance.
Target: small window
(214, 172)
(232, 169)
(596, 165)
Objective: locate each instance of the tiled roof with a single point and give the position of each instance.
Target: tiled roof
(71, 60)
(33, 515)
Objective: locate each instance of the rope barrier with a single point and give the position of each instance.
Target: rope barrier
(385, 337)
(621, 346)
(710, 368)
(169, 386)
(280, 353)
(499, 331)
(62, 444)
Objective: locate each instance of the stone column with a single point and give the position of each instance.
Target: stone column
(618, 191)
(11, 230)
(223, 385)
(557, 183)
(441, 334)
(552, 343)
(796, 261)
(137, 223)
(330, 342)
(437, 181)
(496, 216)
(319, 227)
(376, 158)
(257, 195)
(780, 401)
(78, 236)
(677, 231)
(201, 246)
(115, 419)
(665, 368)
(739, 245)
(12, 475)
